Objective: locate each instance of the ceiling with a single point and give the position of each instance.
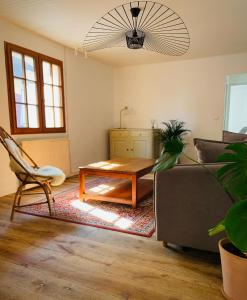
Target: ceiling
(216, 27)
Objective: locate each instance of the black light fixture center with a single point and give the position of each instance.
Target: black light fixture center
(135, 11)
(135, 38)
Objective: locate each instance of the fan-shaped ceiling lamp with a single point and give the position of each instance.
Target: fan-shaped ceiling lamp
(140, 25)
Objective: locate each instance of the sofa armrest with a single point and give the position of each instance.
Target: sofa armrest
(189, 201)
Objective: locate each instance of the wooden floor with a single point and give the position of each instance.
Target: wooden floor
(48, 259)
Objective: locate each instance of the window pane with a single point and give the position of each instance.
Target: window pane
(17, 61)
(30, 68)
(57, 92)
(48, 95)
(49, 117)
(47, 72)
(20, 94)
(237, 120)
(21, 115)
(31, 92)
(33, 116)
(58, 117)
(56, 74)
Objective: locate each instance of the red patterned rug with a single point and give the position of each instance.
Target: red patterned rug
(111, 216)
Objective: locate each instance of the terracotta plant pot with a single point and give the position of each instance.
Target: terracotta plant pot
(234, 271)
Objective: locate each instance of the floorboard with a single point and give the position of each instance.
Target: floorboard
(48, 259)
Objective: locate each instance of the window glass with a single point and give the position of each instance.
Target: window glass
(236, 103)
(31, 92)
(21, 113)
(17, 61)
(20, 91)
(48, 95)
(29, 68)
(58, 117)
(47, 72)
(36, 91)
(49, 117)
(57, 92)
(56, 73)
(33, 116)
(53, 96)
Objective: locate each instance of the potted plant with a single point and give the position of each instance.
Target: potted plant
(173, 145)
(233, 249)
(233, 178)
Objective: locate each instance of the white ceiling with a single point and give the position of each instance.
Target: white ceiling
(216, 27)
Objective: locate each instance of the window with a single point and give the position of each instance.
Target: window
(36, 93)
(236, 103)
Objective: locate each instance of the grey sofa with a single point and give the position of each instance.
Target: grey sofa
(189, 201)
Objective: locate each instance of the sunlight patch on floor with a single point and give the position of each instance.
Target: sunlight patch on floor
(81, 205)
(102, 214)
(102, 189)
(123, 223)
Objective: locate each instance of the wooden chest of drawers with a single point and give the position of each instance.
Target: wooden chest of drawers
(134, 143)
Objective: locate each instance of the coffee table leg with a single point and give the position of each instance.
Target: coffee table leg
(82, 184)
(134, 191)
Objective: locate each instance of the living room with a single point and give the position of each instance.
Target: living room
(126, 91)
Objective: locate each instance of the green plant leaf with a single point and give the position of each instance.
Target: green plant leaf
(175, 146)
(238, 148)
(168, 162)
(226, 157)
(233, 175)
(236, 225)
(237, 187)
(217, 229)
(225, 171)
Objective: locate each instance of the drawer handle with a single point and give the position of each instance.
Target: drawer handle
(127, 149)
(132, 149)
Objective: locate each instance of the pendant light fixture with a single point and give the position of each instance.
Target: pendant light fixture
(135, 38)
(140, 25)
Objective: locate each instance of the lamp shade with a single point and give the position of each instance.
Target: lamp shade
(135, 39)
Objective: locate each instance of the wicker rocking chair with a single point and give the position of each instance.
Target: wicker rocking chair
(25, 173)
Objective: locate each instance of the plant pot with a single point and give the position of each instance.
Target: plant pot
(234, 272)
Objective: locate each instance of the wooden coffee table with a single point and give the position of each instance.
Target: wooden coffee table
(130, 192)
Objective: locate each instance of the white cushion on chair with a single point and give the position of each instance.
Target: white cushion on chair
(15, 151)
(56, 174)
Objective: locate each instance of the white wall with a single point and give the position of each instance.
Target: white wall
(89, 99)
(90, 109)
(192, 91)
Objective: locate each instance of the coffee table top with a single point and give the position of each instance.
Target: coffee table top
(122, 165)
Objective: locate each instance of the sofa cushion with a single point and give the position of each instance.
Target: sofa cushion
(208, 150)
(231, 137)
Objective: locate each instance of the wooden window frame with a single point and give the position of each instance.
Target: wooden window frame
(38, 59)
